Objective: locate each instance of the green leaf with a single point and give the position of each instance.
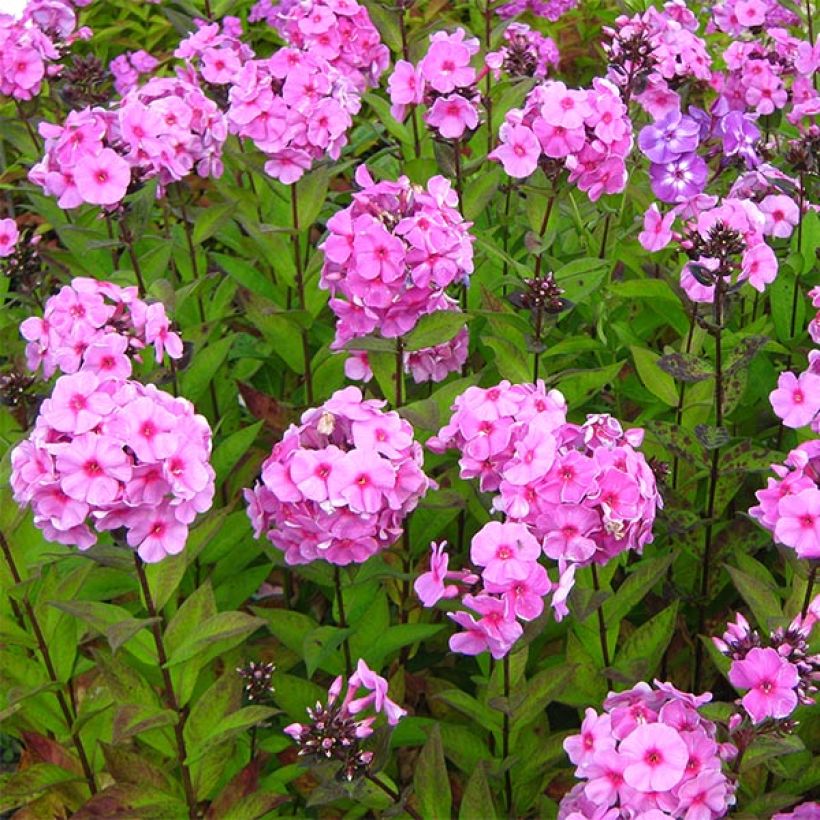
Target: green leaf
(640, 655)
(581, 277)
(468, 705)
(479, 192)
(539, 692)
(654, 379)
(197, 608)
(637, 585)
(204, 365)
(760, 597)
(430, 780)
(743, 354)
(686, 367)
(134, 719)
(711, 437)
(126, 766)
(288, 626)
(210, 220)
(247, 275)
(31, 781)
(320, 649)
(578, 387)
(477, 802)
(216, 634)
(229, 453)
(395, 128)
(434, 329)
(643, 289)
(311, 192)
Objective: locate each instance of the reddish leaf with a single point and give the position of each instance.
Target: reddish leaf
(42, 749)
(266, 408)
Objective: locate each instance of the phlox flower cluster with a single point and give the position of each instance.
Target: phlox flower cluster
(584, 491)
(650, 754)
(99, 327)
(109, 453)
(789, 507)
(339, 485)
(513, 588)
(769, 74)
(31, 47)
(215, 51)
(654, 52)
(337, 728)
(737, 17)
(295, 107)
(725, 238)
(589, 130)
(9, 234)
(166, 129)
(523, 53)
(777, 675)
(443, 81)
(796, 400)
(129, 67)
(389, 256)
(339, 31)
(548, 9)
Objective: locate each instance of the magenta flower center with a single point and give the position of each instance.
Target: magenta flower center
(92, 468)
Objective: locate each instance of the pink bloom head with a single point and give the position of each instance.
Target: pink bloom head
(338, 486)
(107, 454)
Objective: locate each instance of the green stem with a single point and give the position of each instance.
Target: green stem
(337, 580)
(300, 290)
(601, 626)
(539, 314)
(69, 717)
(714, 477)
(488, 83)
(505, 735)
(170, 696)
(809, 589)
(682, 396)
(128, 239)
(405, 53)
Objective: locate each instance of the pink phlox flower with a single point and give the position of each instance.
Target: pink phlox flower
(770, 680)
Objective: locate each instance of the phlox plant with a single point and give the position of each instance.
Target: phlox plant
(409, 409)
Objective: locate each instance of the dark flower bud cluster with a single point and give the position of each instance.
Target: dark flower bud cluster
(803, 154)
(722, 244)
(85, 83)
(257, 677)
(332, 734)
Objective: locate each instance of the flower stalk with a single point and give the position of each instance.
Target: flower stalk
(68, 711)
(170, 695)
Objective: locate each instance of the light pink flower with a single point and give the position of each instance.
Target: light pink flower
(452, 116)
(505, 550)
(656, 233)
(102, 179)
(518, 150)
(656, 758)
(8, 236)
(92, 467)
(796, 399)
(771, 681)
(798, 524)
